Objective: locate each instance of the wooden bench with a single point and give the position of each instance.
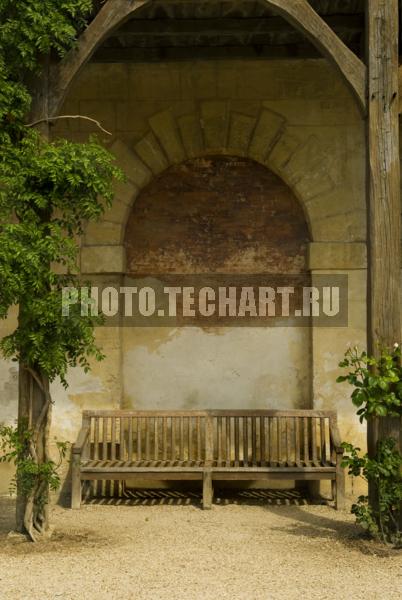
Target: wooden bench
(208, 445)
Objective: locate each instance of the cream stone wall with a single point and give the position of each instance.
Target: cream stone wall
(295, 117)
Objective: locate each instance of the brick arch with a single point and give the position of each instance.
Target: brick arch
(216, 214)
(305, 166)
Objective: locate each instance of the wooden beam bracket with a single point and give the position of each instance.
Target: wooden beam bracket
(305, 19)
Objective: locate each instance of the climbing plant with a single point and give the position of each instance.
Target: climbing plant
(48, 191)
(377, 393)
(377, 382)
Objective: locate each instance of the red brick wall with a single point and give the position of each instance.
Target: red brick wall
(217, 214)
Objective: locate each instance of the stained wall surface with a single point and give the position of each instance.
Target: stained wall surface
(301, 128)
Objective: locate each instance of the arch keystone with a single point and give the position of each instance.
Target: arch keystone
(191, 134)
(240, 131)
(214, 124)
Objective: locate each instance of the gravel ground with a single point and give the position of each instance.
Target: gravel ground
(168, 552)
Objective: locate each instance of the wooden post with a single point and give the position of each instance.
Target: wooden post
(76, 480)
(384, 228)
(207, 490)
(340, 483)
(207, 486)
(209, 439)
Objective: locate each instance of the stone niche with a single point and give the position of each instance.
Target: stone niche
(216, 214)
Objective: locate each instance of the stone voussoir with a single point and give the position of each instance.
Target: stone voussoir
(267, 130)
(334, 256)
(240, 132)
(103, 259)
(151, 153)
(103, 232)
(165, 128)
(135, 170)
(214, 121)
(191, 135)
(307, 159)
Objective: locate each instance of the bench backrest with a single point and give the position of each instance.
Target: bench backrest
(216, 435)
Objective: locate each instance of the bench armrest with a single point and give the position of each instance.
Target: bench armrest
(336, 439)
(81, 440)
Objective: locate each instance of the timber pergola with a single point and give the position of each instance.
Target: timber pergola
(375, 87)
(298, 13)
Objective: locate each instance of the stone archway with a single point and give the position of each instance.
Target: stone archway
(305, 165)
(335, 216)
(216, 214)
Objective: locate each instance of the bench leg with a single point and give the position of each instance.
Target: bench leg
(333, 490)
(314, 490)
(76, 481)
(340, 484)
(207, 490)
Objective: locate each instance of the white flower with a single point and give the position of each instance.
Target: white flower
(396, 345)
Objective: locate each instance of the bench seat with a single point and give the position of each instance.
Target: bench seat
(208, 446)
(88, 466)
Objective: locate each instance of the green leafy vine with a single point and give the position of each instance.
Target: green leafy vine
(377, 393)
(377, 382)
(29, 474)
(385, 470)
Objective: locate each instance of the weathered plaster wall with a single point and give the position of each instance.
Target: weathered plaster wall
(295, 117)
(217, 214)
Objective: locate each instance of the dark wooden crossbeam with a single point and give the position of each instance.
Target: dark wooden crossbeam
(229, 25)
(154, 33)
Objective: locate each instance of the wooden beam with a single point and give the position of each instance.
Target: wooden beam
(113, 14)
(384, 220)
(384, 171)
(304, 18)
(226, 26)
(297, 12)
(400, 88)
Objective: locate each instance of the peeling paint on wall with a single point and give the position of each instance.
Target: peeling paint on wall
(240, 368)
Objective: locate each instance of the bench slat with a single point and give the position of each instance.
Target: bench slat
(253, 441)
(181, 439)
(314, 439)
(228, 440)
(130, 439)
(138, 438)
(156, 438)
(147, 424)
(306, 440)
(176, 467)
(198, 438)
(297, 440)
(214, 413)
(237, 438)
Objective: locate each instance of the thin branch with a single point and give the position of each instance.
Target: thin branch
(47, 404)
(35, 376)
(48, 119)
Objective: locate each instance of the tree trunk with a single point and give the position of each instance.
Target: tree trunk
(34, 415)
(34, 402)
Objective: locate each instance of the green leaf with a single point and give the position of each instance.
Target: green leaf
(381, 410)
